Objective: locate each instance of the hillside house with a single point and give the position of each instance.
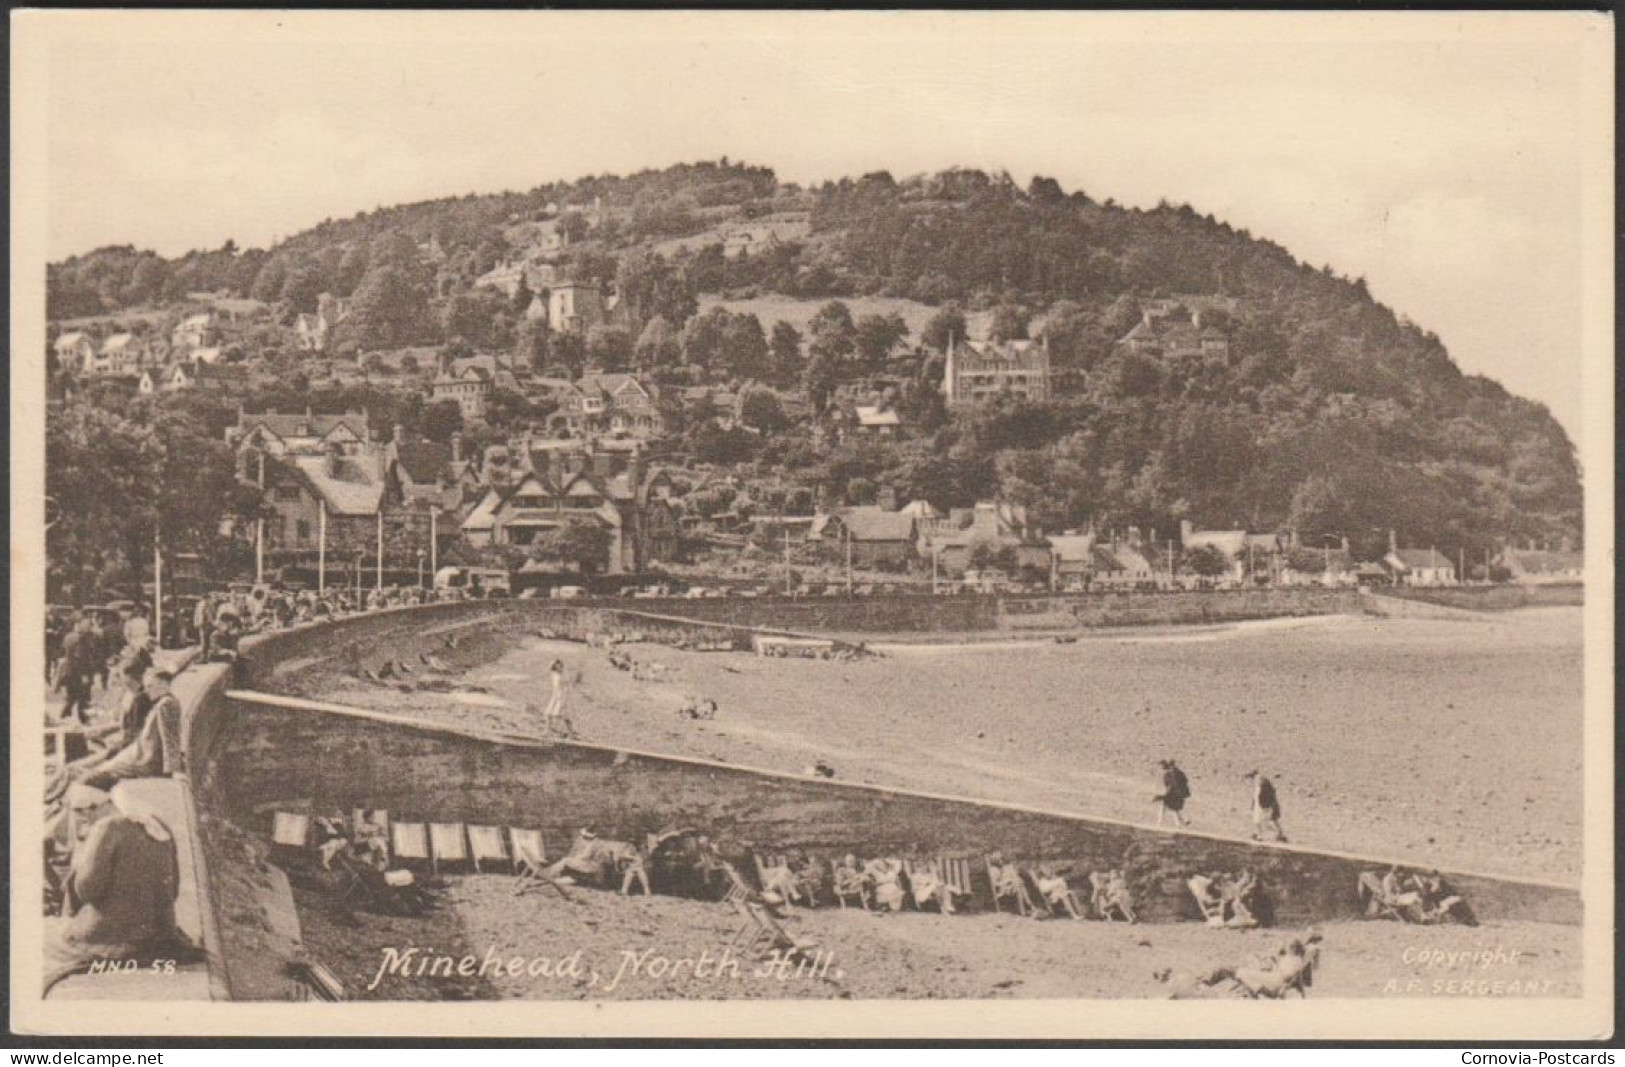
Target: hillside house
(878, 539)
(314, 332)
(1173, 329)
(194, 331)
(616, 404)
(979, 371)
(575, 307)
(307, 434)
(75, 351)
(469, 389)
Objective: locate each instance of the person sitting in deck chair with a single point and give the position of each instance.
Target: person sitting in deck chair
(927, 887)
(1055, 891)
(1109, 896)
(1243, 900)
(851, 881)
(887, 877)
(1008, 884)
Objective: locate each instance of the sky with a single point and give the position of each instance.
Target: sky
(1442, 157)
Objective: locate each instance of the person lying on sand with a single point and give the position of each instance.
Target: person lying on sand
(1291, 968)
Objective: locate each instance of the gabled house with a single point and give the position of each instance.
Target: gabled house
(1173, 329)
(310, 434)
(119, 356)
(575, 307)
(1002, 526)
(1534, 567)
(616, 404)
(878, 538)
(979, 371)
(1420, 566)
(469, 389)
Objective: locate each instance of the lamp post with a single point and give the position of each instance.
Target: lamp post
(421, 557)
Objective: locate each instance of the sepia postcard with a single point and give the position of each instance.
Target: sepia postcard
(812, 524)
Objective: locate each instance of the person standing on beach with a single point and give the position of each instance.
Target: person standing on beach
(1176, 789)
(558, 684)
(1266, 806)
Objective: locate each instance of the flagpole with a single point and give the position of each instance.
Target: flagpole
(379, 573)
(321, 549)
(157, 593)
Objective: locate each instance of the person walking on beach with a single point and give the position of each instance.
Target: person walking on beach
(553, 715)
(1176, 789)
(1266, 806)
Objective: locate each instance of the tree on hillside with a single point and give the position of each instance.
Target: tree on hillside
(658, 345)
(945, 324)
(784, 347)
(760, 410)
(1009, 323)
(609, 347)
(876, 336)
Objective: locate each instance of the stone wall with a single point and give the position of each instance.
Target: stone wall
(346, 758)
(1494, 597)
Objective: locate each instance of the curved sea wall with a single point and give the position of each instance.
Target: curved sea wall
(254, 746)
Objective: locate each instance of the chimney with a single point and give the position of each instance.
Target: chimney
(887, 498)
(1185, 531)
(1393, 541)
(398, 435)
(457, 447)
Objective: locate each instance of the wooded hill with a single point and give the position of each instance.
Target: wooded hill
(1329, 413)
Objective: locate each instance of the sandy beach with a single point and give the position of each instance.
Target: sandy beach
(1449, 743)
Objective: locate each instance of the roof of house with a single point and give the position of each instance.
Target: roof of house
(69, 340)
(869, 523)
(352, 486)
(306, 425)
(210, 354)
(422, 460)
(202, 318)
(1421, 558)
(1131, 559)
(118, 342)
(1230, 542)
(1069, 548)
(873, 415)
(1541, 562)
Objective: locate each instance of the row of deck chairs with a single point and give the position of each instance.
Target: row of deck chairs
(940, 882)
(434, 843)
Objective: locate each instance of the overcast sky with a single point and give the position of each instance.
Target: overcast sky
(1438, 156)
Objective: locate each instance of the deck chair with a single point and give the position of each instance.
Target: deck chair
(290, 829)
(773, 934)
(749, 936)
(1209, 901)
(932, 872)
(1009, 885)
(530, 863)
(485, 844)
(851, 884)
(446, 844)
(409, 841)
(739, 891)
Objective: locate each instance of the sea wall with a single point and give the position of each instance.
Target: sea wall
(1494, 597)
(249, 753)
(278, 751)
(964, 613)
